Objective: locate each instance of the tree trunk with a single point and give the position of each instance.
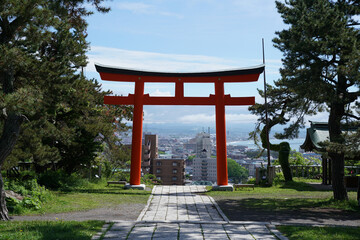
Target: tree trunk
(337, 169)
(3, 209)
(358, 192)
(7, 142)
(337, 165)
(284, 152)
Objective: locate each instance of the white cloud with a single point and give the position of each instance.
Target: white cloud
(148, 114)
(320, 117)
(135, 7)
(160, 93)
(241, 118)
(143, 8)
(198, 118)
(153, 61)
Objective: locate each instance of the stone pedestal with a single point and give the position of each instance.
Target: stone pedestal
(139, 187)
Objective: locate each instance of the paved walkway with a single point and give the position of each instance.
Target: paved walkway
(183, 212)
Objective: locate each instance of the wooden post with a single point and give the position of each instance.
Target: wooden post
(324, 168)
(330, 174)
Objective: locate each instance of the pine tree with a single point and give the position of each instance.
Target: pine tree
(321, 64)
(41, 44)
(284, 107)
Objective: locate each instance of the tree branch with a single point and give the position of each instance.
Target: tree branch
(352, 116)
(329, 79)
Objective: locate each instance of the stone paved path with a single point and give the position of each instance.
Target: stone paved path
(183, 212)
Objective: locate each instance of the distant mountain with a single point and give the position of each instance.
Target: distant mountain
(189, 129)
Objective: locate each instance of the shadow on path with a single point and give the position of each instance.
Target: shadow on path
(285, 211)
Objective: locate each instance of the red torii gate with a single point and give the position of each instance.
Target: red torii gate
(219, 100)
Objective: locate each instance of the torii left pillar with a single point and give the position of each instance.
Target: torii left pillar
(135, 168)
(219, 100)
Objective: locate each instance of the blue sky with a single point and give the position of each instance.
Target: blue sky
(187, 36)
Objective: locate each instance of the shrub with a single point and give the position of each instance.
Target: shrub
(279, 179)
(59, 180)
(251, 181)
(150, 179)
(34, 195)
(121, 176)
(13, 205)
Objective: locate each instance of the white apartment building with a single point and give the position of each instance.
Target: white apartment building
(203, 142)
(204, 169)
(204, 166)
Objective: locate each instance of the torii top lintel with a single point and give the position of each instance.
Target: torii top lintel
(128, 75)
(218, 77)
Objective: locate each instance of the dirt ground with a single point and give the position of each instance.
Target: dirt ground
(126, 212)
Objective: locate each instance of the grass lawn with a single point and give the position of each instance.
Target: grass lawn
(90, 198)
(320, 233)
(286, 196)
(49, 230)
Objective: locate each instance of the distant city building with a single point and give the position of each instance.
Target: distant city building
(251, 167)
(170, 171)
(150, 152)
(204, 167)
(190, 147)
(154, 144)
(203, 142)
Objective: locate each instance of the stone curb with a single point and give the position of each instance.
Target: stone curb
(142, 214)
(276, 232)
(103, 230)
(249, 223)
(313, 224)
(218, 209)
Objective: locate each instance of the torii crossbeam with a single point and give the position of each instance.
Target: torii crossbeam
(219, 100)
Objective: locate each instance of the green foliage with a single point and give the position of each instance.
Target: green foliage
(121, 176)
(50, 230)
(320, 233)
(115, 156)
(34, 195)
(150, 179)
(41, 56)
(279, 179)
(60, 180)
(251, 181)
(42, 50)
(294, 195)
(13, 205)
(321, 67)
(297, 158)
(236, 172)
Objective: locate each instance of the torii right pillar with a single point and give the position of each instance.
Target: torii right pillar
(221, 152)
